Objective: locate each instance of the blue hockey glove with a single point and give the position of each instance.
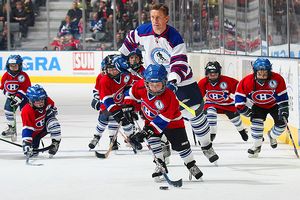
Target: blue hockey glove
(96, 104)
(173, 86)
(121, 64)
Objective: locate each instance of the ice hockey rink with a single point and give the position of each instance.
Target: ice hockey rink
(75, 173)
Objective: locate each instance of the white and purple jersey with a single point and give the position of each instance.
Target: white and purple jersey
(167, 49)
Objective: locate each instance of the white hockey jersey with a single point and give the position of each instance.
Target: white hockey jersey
(167, 49)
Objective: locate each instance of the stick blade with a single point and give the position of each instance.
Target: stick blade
(177, 183)
(100, 155)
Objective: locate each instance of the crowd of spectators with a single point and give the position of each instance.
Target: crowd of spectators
(22, 15)
(99, 23)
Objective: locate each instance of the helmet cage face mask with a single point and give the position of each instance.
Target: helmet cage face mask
(259, 66)
(213, 68)
(156, 93)
(38, 104)
(109, 69)
(12, 62)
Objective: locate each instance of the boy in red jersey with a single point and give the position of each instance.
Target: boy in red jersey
(14, 84)
(162, 117)
(39, 119)
(104, 118)
(267, 91)
(113, 84)
(218, 90)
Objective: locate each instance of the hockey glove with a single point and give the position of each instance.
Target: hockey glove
(27, 148)
(283, 112)
(147, 132)
(120, 118)
(246, 111)
(51, 112)
(129, 113)
(96, 104)
(172, 86)
(15, 102)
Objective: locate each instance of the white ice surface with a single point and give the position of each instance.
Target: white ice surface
(76, 174)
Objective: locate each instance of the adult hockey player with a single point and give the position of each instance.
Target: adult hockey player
(162, 117)
(219, 93)
(164, 46)
(14, 84)
(267, 91)
(39, 119)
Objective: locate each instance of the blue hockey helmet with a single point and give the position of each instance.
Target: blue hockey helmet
(155, 73)
(107, 61)
(135, 66)
(120, 63)
(14, 60)
(36, 93)
(262, 64)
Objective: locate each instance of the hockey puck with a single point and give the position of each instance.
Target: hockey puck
(163, 187)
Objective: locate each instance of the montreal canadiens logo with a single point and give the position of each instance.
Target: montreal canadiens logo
(216, 96)
(273, 84)
(263, 97)
(149, 112)
(159, 105)
(126, 78)
(160, 56)
(40, 123)
(21, 78)
(119, 96)
(223, 85)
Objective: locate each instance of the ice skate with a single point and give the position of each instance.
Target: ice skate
(9, 131)
(52, 151)
(115, 143)
(254, 151)
(159, 169)
(210, 153)
(194, 170)
(244, 134)
(94, 141)
(273, 142)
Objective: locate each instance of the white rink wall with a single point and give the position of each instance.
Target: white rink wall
(84, 66)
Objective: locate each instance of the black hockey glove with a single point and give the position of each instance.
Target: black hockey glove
(147, 132)
(246, 111)
(95, 104)
(172, 85)
(129, 113)
(15, 101)
(51, 112)
(120, 118)
(283, 112)
(27, 148)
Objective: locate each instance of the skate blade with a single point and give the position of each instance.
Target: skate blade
(253, 155)
(215, 163)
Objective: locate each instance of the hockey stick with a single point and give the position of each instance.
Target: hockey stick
(290, 134)
(35, 150)
(105, 155)
(127, 141)
(14, 136)
(177, 183)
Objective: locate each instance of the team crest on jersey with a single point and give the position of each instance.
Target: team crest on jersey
(216, 96)
(11, 86)
(119, 96)
(223, 85)
(263, 96)
(40, 123)
(160, 56)
(273, 84)
(126, 78)
(159, 105)
(21, 78)
(149, 112)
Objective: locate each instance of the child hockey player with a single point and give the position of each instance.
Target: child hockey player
(14, 84)
(39, 119)
(218, 90)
